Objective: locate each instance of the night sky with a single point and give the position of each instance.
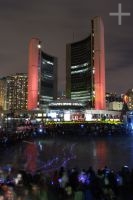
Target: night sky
(57, 22)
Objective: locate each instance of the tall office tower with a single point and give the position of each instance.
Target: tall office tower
(42, 77)
(85, 68)
(16, 92)
(34, 64)
(3, 93)
(98, 62)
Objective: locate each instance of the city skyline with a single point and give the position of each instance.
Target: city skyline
(58, 23)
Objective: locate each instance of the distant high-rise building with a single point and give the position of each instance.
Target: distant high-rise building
(3, 93)
(110, 97)
(42, 77)
(85, 68)
(114, 101)
(128, 99)
(16, 92)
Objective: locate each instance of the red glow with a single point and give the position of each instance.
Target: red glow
(99, 64)
(33, 74)
(31, 154)
(101, 152)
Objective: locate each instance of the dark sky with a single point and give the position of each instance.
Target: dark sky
(55, 22)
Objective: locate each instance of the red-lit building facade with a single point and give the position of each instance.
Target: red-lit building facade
(85, 68)
(42, 77)
(33, 66)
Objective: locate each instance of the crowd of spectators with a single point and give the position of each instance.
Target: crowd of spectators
(61, 129)
(86, 129)
(67, 184)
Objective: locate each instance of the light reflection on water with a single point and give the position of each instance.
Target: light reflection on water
(97, 152)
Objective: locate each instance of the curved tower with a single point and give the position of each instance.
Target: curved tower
(42, 77)
(79, 71)
(85, 68)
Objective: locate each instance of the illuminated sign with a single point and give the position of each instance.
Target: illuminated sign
(65, 104)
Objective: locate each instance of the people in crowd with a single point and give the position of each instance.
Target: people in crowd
(69, 184)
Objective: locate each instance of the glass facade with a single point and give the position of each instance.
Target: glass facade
(85, 68)
(79, 71)
(42, 77)
(48, 83)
